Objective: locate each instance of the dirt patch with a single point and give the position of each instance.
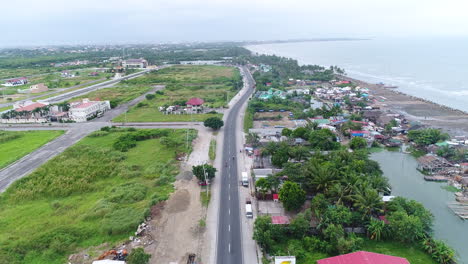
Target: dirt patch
(179, 201)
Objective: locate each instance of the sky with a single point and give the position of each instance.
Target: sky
(37, 22)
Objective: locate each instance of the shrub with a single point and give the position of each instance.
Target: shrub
(125, 142)
(150, 96)
(99, 134)
(141, 104)
(138, 256)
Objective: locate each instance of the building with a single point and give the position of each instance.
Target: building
(38, 88)
(195, 105)
(363, 257)
(432, 163)
(135, 63)
(85, 110)
(279, 220)
(66, 74)
(16, 81)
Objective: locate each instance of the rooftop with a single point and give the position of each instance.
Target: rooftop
(195, 101)
(279, 220)
(30, 107)
(363, 257)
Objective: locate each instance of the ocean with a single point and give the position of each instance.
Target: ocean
(435, 69)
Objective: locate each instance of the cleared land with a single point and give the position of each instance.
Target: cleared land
(55, 82)
(16, 144)
(88, 195)
(216, 85)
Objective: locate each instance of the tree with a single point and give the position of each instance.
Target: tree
(300, 132)
(262, 232)
(286, 132)
(375, 229)
(368, 201)
(323, 139)
(263, 185)
(405, 228)
(357, 143)
(299, 226)
(252, 138)
(279, 158)
(214, 122)
(200, 170)
(292, 196)
(138, 256)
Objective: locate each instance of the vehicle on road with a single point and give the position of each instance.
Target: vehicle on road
(248, 211)
(245, 179)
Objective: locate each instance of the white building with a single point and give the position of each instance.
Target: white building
(85, 110)
(135, 63)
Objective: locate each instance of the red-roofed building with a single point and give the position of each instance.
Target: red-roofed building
(30, 107)
(195, 105)
(279, 220)
(16, 81)
(363, 257)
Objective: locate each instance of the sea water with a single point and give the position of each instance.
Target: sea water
(435, 69)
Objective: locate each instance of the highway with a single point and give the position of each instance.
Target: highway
(229, 234)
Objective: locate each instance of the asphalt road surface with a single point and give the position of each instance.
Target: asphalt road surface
(229, 248)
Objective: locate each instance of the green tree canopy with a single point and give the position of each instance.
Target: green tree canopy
(214, 123)
(200, 170)
(357, 143)
(292, 196)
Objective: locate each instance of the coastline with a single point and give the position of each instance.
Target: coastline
(428, 113)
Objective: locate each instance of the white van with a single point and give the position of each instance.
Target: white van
(248, 211)
(245, 179)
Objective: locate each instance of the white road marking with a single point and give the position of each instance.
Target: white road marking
(229, 197)
(229, 247)
(229, 211)
(229, 228)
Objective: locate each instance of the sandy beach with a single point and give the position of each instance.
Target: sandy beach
(452, 121)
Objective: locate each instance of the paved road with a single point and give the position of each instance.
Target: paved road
(229, 248)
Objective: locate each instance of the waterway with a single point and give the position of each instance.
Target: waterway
(407, 182)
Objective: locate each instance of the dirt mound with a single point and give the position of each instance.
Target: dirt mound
(179, 201)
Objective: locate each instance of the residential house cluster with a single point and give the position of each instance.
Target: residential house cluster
(194, 105)
(16, 81)
(35, 88)
(266, 95)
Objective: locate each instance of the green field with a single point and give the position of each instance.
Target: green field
(16, 144)
(88, 195)
(216, 85)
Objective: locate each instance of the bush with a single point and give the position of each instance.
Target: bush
(213, 122)
(141, 104)
(99, 134)
(125, 142)
(138, 256)
(150, 96)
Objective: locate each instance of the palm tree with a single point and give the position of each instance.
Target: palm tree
(375, 229)
(322, 178)
(368, 201)
(299, 153)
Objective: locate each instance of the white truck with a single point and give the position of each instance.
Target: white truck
(245, 179)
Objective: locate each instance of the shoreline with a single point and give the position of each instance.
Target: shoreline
(428, 113)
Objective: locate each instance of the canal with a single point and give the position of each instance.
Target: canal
(406, 181)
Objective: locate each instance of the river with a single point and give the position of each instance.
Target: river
(407, 182)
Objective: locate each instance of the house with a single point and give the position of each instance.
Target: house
(28, 106)
(195, 105)
(86, 109)
(16, 81)
(135, 63)
(38, 88)
(363, 257)
(432, 163)
(93, 74)
(66, 74)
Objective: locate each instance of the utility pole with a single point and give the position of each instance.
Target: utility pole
(206, 182)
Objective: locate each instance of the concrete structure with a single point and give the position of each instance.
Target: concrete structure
(38, 88)
(135, 63)
(85, 110)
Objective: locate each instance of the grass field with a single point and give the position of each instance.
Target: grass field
(17, 144)
(88, 195)
(216, 85)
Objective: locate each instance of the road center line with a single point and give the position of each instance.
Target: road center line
(229, 228)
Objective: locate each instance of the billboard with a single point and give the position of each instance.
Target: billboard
(285, 260)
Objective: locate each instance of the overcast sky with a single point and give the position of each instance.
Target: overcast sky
(34, 22)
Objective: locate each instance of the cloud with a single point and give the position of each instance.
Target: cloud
(178, 20)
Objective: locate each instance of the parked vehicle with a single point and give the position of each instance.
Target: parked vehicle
(245, 179)
(248, 211)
